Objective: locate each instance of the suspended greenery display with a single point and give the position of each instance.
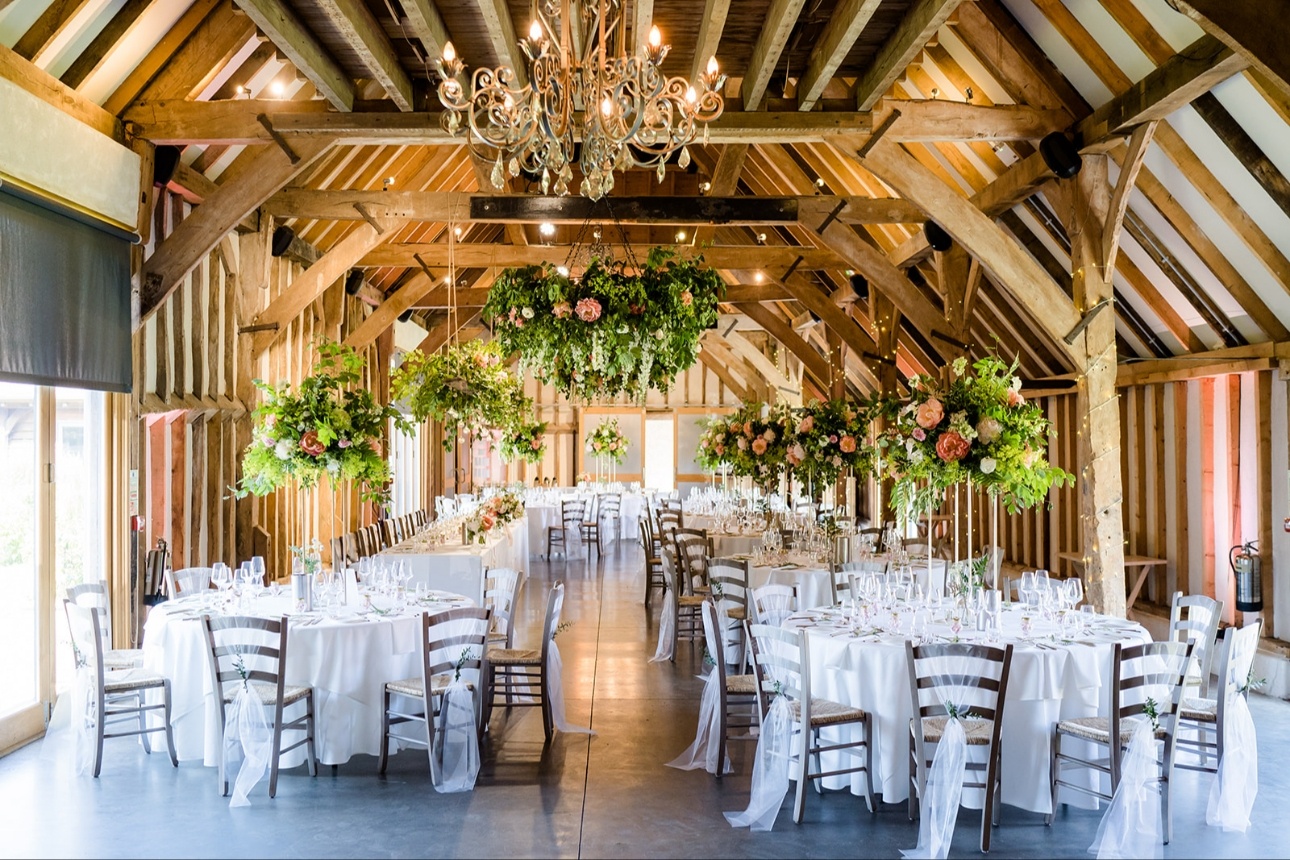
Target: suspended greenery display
(610, 330)
(329, 424)
(524, 441)
(467, 387)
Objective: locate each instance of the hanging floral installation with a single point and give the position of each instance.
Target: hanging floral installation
(524, 441)
(467, 387)
(329, 424)
(978, 429)
(609, 331)
(608, 441)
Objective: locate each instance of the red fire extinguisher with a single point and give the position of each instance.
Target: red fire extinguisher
(1247, 567)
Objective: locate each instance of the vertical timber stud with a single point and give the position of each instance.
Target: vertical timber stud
(886, 322)
(1098, 414)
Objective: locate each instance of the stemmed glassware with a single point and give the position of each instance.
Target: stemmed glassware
(222, 576)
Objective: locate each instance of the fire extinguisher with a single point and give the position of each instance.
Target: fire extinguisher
(1246, 567)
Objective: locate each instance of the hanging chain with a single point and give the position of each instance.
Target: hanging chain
(451, 339)
(598, 247)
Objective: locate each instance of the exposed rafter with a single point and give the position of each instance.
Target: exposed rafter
(920, 24)
(778, 26)
(501, 33)
(1257, 29)
(849, 18)
(290, 36)
(363, 35)
(710, 29)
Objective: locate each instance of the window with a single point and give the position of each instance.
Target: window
(660, 444)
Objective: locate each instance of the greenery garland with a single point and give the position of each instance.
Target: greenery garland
(328, 425)
(465, 387)
(608, 331)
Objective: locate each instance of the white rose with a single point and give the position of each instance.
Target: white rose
(333, 467)
(837, 461)
(742, 443)
(527, 313)
(916, 456)
(658, 334)
(988, 465)
(1016, 383)
(283, 449)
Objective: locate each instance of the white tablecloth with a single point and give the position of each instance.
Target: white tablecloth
(347, 662)
(460, 569)
(1059, 681)
(812, 581)
(544, 514)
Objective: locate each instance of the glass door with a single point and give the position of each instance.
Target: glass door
(24, 608)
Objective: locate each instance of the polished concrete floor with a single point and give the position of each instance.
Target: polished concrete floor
(607, 796)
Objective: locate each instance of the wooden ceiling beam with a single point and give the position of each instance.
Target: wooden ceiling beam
(1245, 148)
(921, 22)
(815, 367)
(199, 233)
(152, 63)
(472, 255)
(89, 60)
(363, 35)
(426, 24)
(1139, 142)
(1256, 29)
(711, 27)
(718, 348)
(290, 36)
(48, 27)
(476, 297)
(444, 330)
(641, 22)
(726, 377)
(44, 86)
(187, 73)
(778, 26)
(501, 33)
(419, 291)
(776, 379)
(850, 17)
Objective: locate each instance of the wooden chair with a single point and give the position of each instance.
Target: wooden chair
(609, 510)
(95, 596)
(188, 580)
(261, 645)
(1194, 618)
(451, 642)
(692, 562)
(686, 623)
(589, 528)
(1136, 676)
(840, 581)
(1203, 719)
(115, 697)
(738, 707)
(509, 668)
(728, 583)
(653, 561)
(975, 679)
(772, 603)
(782, 657)
(572, 513)
(501, 592)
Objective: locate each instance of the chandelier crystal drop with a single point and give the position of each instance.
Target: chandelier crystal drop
(582, 87)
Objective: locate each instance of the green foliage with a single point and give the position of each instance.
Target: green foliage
(524, 440)
(330, 424)
(606, 332)
(465, 387)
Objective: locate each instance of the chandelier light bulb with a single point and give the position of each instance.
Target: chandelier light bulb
(546, 228)
(712, 67)
(535, 31)
(449, 52)
(655, 36)
(690, 95)
(606, 107)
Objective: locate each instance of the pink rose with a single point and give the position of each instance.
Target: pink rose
(588, 310)
(488, 521)
(929, 413)
(833, 437)
(759, 446)
(768, 435)
(536, 444)
(344, 443)
(920, 434)
(561, 310)
(1029, 457)
(1015, 398)
(270, 421)
(687, 298)
(988, 429)
(720, 449)
(796, 453)
(952, 447)
(847, 444)
(310, 445)
(748, 429)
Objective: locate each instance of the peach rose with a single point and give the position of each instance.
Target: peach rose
(929, 413)
(588, 310)
(759, 446)
(952, 447)
(806, 424)
(988, 429)
(1015, 398)
(687, 298)
(310, 445)
(847, 444)
(796, 453)
(561, 310)
(748, 429)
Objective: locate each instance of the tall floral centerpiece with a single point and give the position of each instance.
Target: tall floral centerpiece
(608, 445)
(609, 330)
(466, 387)
(754, 441)
(329, 424)
(977, 431)
(830, 439)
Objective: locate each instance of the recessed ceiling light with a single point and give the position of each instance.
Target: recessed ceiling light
(546, 228)
(276, 89)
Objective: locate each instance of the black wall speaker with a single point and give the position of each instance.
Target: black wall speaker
(1060, 155)
(406, 315)
(937, 237)
(354, 282)
(860, 286)
(282, 239)
(165, 161)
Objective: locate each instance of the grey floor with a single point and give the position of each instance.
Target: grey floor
(608, 796)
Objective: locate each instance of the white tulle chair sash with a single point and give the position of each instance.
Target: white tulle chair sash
(1133, 825)
(555, 687)
(454, 766)
(247, 735)
(770, 769)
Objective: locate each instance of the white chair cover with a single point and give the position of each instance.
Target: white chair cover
(939, 806)
(555, 685)
(454, 766)
(772, 604)
(771, 763)
(1231, 797)
(1133, 824)
(702, 753)
(247, 735)
(667, 622)
(70, 739)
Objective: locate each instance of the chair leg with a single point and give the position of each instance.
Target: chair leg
(276, 752)
(913, 776)
(799, 802)
(170, 733)
(1054, 766)
(384, 756)
(311, 753)
(223, 728)
(868, 763)
(98, 731)
(1166, 796)
(991, 799)
(548, 724)
(143, 725)
(721, 738)
(817, 763)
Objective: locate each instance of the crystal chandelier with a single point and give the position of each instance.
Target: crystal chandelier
(582, 86)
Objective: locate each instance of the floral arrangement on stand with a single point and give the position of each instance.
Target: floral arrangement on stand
(754, 441)
(329, 424)
(523, 440)
(978, 429)
(608, 441)
(494, 512)
(466, 387)
(607, 331)
(830, 439)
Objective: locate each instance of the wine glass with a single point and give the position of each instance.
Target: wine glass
(257, 568)
(1074, 588)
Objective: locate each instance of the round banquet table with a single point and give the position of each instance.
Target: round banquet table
(544, 512)
(347, 659)
(1050, 680)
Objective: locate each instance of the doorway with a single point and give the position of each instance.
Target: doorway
(660, 448)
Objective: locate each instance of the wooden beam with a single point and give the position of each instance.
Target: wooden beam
(778, 25)
(501, 32)
(726, 377)
(1198, 365)
(642, 21)
(48, 27)
(849, 18)
(1245, 148)
(478, 296)
(118, 27)
(711, 26)
(444, 330)
(1256, 29)
(51, 90)
(1139, 141)
(419, 291)
(786, 388)
(297, 43)
(426, 24)
(823, 306)
(814, 365)
(151, 64)
(191, 70)
(725, 181)
(309, 285)
(937, 121)
(1009, 266)
(202, 230)
(484, 255)
(362, 34)
(715, 347)
(1192, 72)
(921, 22)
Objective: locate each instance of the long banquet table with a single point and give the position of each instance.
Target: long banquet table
(1050, 680)
(460, 568)
(347, 660)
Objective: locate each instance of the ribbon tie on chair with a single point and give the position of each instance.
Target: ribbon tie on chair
(940, 803)
(665, 626)
(455, 763)
(1231, 797)
(1133, 825)
(248, 733)
(770, 768)
(702, 753)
